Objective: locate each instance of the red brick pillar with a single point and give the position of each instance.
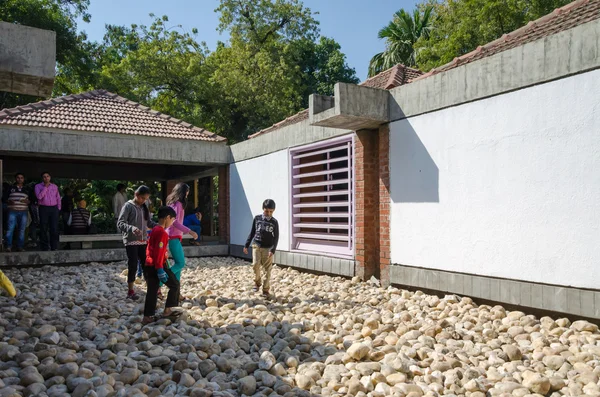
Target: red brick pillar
(384, 204)
(224, 204)
(366, 203)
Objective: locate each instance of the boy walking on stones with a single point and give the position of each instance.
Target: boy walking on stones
(156, 269)
(264, 237)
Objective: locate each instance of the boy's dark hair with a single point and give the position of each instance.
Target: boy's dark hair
(44, 173)
(165, 211)
(67, 190)
(197, 209)
(142, 190)
(268, 204)
(21, 174)
(120, 187)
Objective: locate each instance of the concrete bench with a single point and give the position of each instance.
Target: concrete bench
(87, 240)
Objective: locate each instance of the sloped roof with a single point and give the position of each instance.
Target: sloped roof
(393, 77)
(388, 79)
(102, 111)
(564, 18)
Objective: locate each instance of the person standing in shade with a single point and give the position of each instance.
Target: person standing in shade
(178, 201)
(134, 222)
(34, 213)
(66, 207)
(192, 221)
(119, 199)
(17, 200)
(81, 219)
(49, 206)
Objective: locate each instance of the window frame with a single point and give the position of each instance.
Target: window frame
(328, 247)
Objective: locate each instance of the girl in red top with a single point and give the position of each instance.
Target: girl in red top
(156, 270)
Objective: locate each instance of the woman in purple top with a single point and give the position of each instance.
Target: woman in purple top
(178, 201)
(49, 206)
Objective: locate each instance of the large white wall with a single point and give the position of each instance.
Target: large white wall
(508, 186)
(251, 182)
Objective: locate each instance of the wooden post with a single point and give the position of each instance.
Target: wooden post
(195, 193)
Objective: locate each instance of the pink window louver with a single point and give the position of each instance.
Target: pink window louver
(322, 184)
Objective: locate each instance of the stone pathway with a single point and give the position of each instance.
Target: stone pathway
(71, 332)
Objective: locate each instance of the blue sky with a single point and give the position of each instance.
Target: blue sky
(352, 23)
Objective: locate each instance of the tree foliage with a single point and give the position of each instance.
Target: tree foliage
(274, 59)
(460, 26)
(400, 36)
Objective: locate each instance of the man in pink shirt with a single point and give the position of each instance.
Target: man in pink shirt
(49, 207)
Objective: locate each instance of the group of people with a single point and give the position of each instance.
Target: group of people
(154, 249)
(149, 245)
(40, 208)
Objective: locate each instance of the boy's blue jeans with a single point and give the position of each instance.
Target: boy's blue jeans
(16, 219)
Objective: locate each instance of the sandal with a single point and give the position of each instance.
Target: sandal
(160, 295)
(149, 320)
(173, 315)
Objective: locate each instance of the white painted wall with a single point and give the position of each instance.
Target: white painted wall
(250, 183)
(508, 186)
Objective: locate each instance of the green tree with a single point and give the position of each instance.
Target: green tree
(272, 62)
(73, 53)
(400, 35)
(460, 26)
(322, 64)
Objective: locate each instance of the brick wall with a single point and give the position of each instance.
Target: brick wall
(224, 204)
(372, 204)
(366, 203)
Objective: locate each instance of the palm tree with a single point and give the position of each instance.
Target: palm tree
(400, 35)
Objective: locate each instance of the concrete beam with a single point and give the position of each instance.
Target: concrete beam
(109, 147)
(33, 166)
(27, 60)
(354, 107)
(187, 174)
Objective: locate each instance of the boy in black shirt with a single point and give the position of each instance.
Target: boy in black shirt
(264, 237)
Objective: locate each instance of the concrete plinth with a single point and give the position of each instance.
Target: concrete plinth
(94, 255)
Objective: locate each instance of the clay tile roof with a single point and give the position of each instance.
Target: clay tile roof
(386, 80)
(298, 117)
(393, 77)
(564, 18)
(102, 111)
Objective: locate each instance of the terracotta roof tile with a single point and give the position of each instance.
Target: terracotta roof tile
(298, 117)
(393, 77)
(102, 111)
(564, 18)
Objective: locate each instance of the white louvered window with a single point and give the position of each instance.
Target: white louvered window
(322, 197)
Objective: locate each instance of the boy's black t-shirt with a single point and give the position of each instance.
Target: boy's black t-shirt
(264, 233)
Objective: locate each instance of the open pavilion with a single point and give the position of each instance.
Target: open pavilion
(99, 135)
